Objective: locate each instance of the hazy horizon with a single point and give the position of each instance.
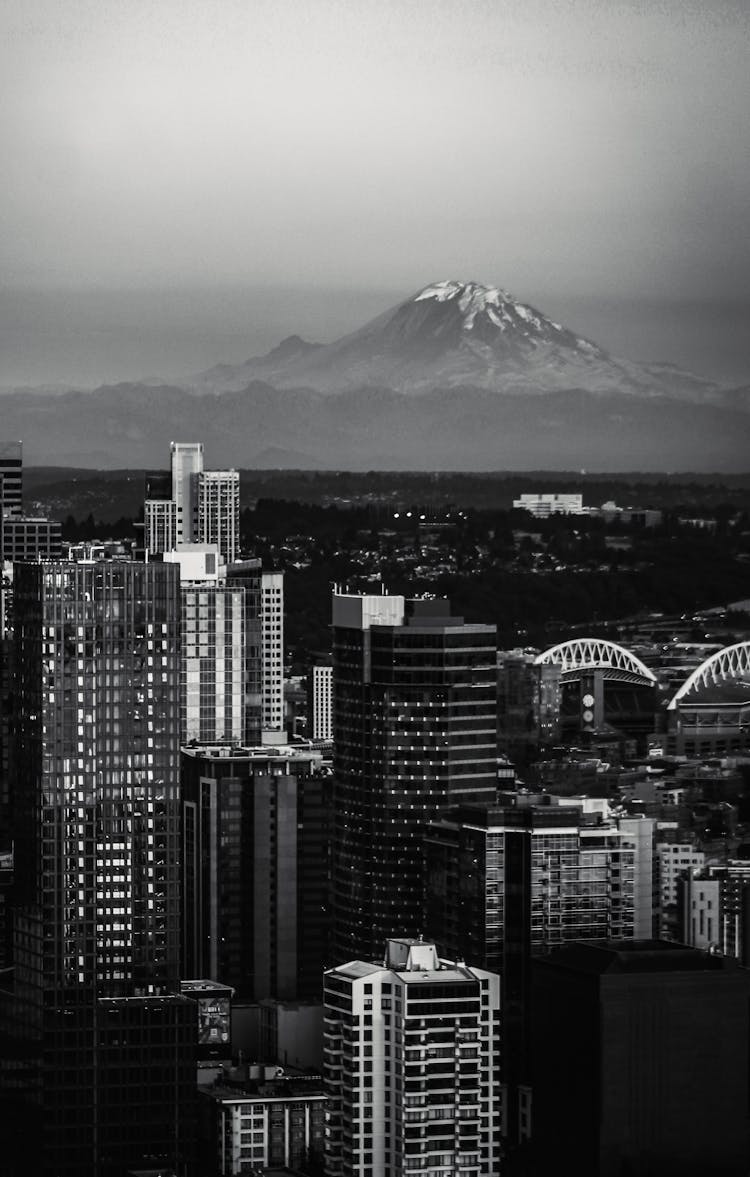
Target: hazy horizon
(185, 184)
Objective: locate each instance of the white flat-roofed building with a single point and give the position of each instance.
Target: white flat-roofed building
(544, 505)
(320, 703)
(411, 1057)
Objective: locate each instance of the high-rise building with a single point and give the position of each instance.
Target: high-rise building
(272, 654)
(529, 701)
(410, 1063)
(160, 525)
(6, 716)
(673, 859)
(186, 460)
(255, 870)
(97, 826)
(504, 884)
(414, 725)
(219, 511)
(146, 1094)
(642, 1061)
(23, 538)
(220, 629)
(11, 479)
(192, 505)
(714, 909)
(320, 702)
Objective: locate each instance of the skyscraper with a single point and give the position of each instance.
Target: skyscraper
(187, 465)
(642, 1052)
(219, 511)
(11, 479)
(256, 827)
(97, 825)
(320, 702)
(192, 505)
(272, 653)
(221, 657)
(410, 1063)
(504, 884)
(414, 724)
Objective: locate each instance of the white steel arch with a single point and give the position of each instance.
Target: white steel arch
(596, 654)
(724, 665)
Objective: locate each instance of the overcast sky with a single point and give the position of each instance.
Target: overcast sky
(556, 147)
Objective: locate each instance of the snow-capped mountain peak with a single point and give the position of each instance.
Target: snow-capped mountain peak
(502, 310)
(455, 335)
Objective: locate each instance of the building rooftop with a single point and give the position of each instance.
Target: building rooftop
(201, 986)
(413, 959)
(249, 1090)
(636, 956)
(259, 752)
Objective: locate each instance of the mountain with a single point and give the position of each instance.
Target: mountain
(458, 377)
(456, 334)
(379, 429)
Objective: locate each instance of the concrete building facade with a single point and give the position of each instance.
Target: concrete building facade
(411, 1066)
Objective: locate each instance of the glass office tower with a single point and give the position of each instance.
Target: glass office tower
(97, 825)
(414, 727)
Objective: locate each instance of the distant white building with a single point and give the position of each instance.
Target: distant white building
(541, 506)
(411, 1066)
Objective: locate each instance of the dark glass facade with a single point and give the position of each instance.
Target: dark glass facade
(96, 651)
(505, 884)
(30, 539)
(642, 1053)
(414, 724)
(147, 1098)
(255, 870)
(11, 478)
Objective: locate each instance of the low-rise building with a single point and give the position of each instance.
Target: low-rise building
(268, 1122)
(541, 506)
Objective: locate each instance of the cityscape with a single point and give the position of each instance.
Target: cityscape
(374, 588)
(419, 908)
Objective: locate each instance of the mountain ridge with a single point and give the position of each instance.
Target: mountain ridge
(384, 429)
(453, 333)
(459, 376)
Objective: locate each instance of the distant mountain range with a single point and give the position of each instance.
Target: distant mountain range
(459, 376)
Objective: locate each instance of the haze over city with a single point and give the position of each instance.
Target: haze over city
(186, 184)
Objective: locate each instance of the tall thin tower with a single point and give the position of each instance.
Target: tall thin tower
(187, 465)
